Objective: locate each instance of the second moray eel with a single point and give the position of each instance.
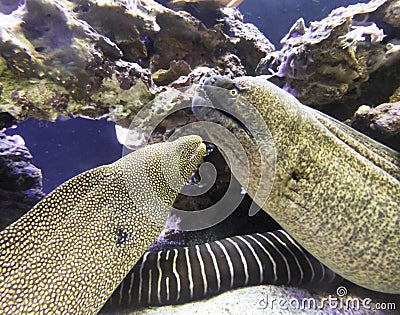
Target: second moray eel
(185, 274)
(69, 253)
(335, 191)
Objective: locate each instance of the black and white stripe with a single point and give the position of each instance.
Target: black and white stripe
(190, 273)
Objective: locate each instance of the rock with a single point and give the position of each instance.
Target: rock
(275, 300)
(231, 66)
(392, 14)
(20, 180)
(7, 121)
(176, 70)
(228, 65)
(7, 6)
(95, 59)
(341, 57)
(195, 77)
(250, 45)
(54, 64)
(381, 123)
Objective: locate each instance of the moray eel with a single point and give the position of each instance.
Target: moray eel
(184, 274)
(335, 191)
(70, 252)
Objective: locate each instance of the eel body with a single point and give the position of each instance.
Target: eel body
(180, 275)
(69, 253)
(335, 191)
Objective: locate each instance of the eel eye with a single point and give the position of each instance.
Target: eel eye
(234, 92)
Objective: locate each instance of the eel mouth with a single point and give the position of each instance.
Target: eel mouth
(190, 151)
(193, 151)
(198, 153)
(194, 161)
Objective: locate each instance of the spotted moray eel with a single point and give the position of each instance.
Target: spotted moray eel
(184, 274)
(335, 191)
(69, 253)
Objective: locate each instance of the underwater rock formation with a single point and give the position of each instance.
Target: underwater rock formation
(92, 59)
(55, 64)
(381, 123)
(20, 180)
(341, 57)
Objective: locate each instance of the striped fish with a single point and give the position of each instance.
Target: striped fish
(186, 274)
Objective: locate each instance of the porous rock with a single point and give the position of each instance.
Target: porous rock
(197, 76)
(341, 58)
(381, 123)
(53, 63)
(20, 179)
(101, 58)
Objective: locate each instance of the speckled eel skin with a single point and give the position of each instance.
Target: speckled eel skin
(335, 191)
(69, 253)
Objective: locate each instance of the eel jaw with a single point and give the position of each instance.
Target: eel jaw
(216, 89)
(192, 149)
(200, 151)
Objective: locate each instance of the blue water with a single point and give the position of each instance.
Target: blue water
(67, 148)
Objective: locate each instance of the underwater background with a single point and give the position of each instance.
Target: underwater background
(348, 63)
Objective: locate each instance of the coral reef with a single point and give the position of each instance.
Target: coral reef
(89, 58)
(20, 180)
(333, 59)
